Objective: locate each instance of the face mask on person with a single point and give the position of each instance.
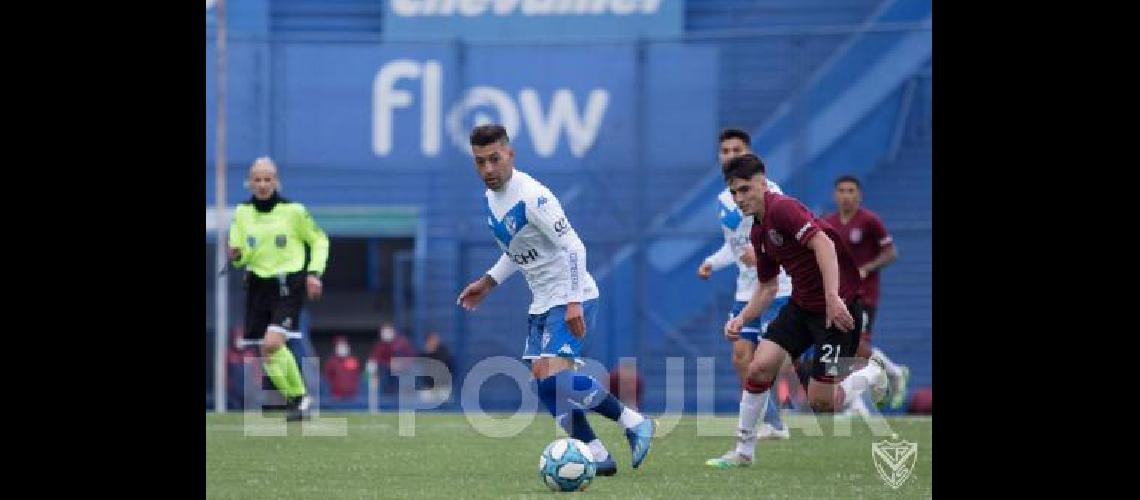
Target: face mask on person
(387, 334)
(342, 350)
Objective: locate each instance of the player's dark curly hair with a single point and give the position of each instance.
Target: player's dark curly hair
(743, 167)
(735, 133)
(849, 178)
(488, 134)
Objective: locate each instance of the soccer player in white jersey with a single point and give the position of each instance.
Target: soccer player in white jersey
(737, 248)
(536, 237)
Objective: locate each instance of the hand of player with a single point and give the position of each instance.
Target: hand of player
(748, 257)
(574, 319)
(838, 315)
(314, 286)
(704, 271)
(732, 328)
(234, 253)
(471, 296)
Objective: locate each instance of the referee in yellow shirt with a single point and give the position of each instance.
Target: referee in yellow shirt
(268, 238)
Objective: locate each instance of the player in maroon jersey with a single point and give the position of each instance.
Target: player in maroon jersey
(873, 249)
(824, 310)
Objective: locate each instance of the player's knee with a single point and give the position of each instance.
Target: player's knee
(273, 342)
(740, 360)
(547, 367)
(539, 371)
(758, 373)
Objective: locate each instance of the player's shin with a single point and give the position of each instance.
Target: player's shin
(282, 369)
(587, 393)
(572, 420)
(752, 402)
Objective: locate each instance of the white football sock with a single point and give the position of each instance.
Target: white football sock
(629, 418)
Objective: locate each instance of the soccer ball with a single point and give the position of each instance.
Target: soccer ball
(566, 465)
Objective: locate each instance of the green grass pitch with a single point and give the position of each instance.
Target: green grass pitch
(448, 457)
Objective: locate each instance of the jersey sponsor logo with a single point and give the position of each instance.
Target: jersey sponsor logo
(776, 237)
(541, 201)
(562, 226)
(739, 241)
(525, 257)
(856, 235)
(566, 349)
(251, 241)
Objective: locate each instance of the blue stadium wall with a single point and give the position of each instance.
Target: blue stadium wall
(623, 131)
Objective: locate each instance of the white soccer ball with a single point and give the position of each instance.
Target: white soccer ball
(566, 465)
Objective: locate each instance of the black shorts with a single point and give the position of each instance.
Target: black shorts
(795, 329)
(268, 305)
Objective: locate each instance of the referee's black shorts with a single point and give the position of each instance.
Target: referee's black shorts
(268, 305)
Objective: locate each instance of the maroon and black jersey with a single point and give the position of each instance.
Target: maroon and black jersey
(782, 237)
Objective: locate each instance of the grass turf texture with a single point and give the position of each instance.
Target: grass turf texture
(448, 458)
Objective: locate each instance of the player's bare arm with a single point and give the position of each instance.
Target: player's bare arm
(888, 255)
(721, 258)
(704, 270)
(475, 292)
(824, 250)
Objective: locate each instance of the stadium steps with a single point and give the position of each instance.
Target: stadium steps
(339, 16)
(900, 192)
(749, 94)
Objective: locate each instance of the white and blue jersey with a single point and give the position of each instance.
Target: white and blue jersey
(536, 237)
(737, 229)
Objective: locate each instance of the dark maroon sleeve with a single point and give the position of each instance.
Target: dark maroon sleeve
(792, 218)
(882, 237)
